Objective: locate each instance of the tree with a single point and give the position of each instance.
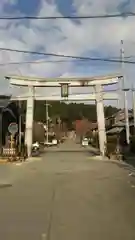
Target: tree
(67, 112)
(38, 132)
(109, 110)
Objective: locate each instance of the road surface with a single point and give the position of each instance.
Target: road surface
(67, 196)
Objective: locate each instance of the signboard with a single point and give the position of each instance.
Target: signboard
(64, 90)
(13, 128)
(84, 83)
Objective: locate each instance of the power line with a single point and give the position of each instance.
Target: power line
(67, 56)
(115, 15)
(49, 61)
(36, 62)
(43, 62)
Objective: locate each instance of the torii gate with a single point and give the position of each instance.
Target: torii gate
(99, 96)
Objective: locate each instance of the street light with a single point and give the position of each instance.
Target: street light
(125, 90)
(20, 125)
(133, 102)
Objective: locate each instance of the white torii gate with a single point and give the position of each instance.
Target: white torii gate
(110, 95)
(98, 96)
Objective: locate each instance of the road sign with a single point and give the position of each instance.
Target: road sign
(13, 128)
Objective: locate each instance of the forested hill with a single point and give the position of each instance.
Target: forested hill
(70, 111)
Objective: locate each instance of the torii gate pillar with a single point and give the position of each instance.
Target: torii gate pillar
(29, 120)
(100, 118)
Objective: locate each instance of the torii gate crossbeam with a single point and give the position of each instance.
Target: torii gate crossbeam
(112, 95)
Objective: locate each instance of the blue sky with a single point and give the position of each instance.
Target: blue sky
(65, 7)
(24, 6)
(91, 38)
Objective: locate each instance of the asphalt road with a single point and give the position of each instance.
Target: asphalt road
(67, 196)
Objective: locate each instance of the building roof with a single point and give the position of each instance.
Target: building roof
(115, 130)
(122, 124)
(130, 112)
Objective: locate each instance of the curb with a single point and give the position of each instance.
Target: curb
(32, 159)
(3, 161)
(28, 160)
(99, 158)
(124, 164)
(121, 162)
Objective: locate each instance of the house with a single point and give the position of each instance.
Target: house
(116, 126)
(118, 119)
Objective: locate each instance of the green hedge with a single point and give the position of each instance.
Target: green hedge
(95, 141)
(132, 144)
(111, 145)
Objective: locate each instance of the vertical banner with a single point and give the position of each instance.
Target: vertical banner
(64, 90)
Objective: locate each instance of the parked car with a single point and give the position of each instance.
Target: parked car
(35, 146)
(85, 142)
(35, 149)
(52, 141)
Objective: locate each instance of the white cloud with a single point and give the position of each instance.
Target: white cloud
(66, 37)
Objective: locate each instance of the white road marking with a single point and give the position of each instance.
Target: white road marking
(18, 164)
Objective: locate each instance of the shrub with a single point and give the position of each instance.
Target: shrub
(111, 145)
(132, 144)
(95, 141)
(38, 132)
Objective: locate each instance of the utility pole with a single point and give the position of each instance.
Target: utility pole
(47, 118)
(120, 92)
(124, 93)
(133, 103)
(47, 121)
(20, 126)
